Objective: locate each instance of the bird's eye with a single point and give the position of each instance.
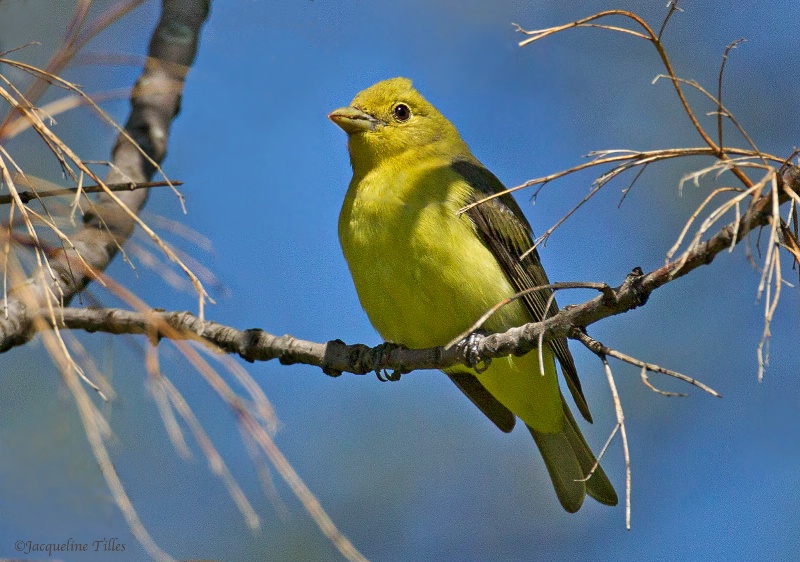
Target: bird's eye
(401, 112)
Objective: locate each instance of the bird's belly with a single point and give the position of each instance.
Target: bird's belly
(423, 276)
(427, 278)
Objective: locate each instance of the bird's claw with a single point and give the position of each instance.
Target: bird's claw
(384, 375)
(472, 353)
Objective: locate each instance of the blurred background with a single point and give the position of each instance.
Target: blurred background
(411, 470)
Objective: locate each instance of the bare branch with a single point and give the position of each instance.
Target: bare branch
(28, 196)
(335, 357)
(647, 34)
(599, 349)
(624, 434)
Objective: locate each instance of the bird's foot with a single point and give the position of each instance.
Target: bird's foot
(472, 354)
(384, 350)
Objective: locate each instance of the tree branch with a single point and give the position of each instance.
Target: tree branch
(336, 357)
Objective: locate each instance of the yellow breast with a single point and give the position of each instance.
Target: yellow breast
(420, 270)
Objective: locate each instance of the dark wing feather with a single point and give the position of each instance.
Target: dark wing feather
(504, 229)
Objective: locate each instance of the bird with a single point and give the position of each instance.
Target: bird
(425, 271)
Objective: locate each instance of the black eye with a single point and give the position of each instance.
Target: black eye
(401, 112)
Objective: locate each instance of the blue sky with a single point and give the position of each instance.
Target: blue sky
(412, 471)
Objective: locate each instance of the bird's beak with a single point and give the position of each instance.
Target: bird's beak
(353, 120)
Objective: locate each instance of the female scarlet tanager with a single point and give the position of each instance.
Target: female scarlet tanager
(424, 273)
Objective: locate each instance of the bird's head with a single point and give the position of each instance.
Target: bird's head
(390, 118)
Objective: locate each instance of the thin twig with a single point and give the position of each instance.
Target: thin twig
(623, 433)
(673, 7)
(28, 196)
(728, 49)
(599, 348)
(666, 62)
(649, 385)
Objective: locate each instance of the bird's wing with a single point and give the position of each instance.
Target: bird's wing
(504, 229)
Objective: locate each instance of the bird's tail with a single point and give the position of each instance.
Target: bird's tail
(569, 459)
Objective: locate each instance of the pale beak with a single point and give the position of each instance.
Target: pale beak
(353, 120)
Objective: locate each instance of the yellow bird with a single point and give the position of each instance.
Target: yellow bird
(425, 273)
